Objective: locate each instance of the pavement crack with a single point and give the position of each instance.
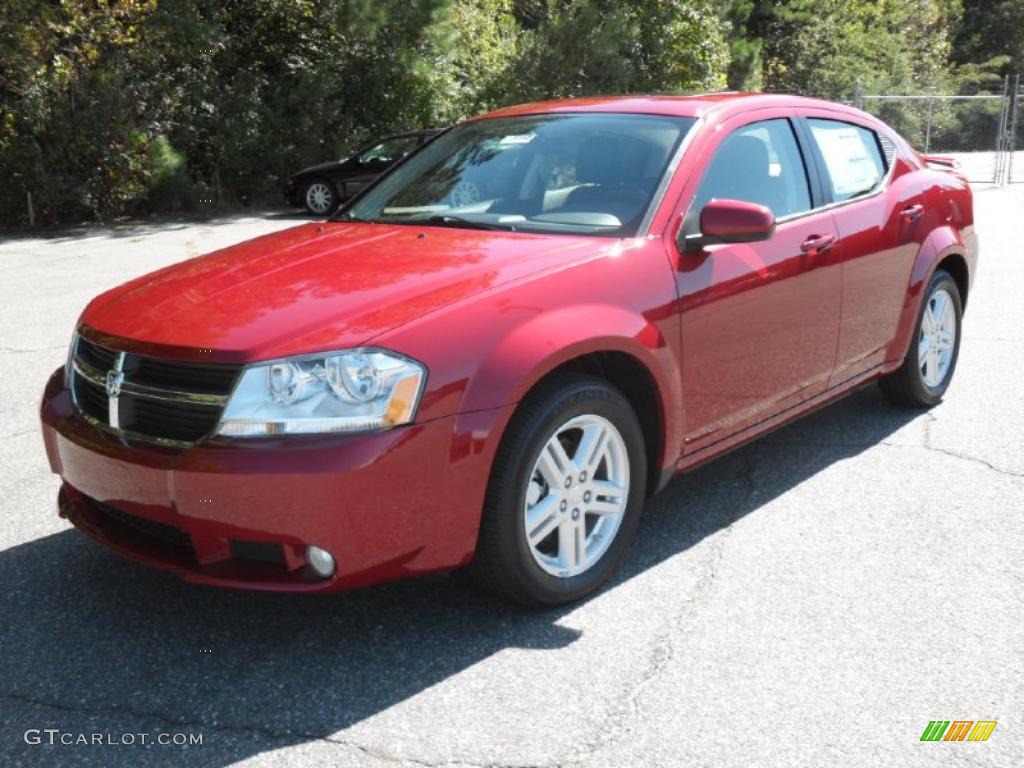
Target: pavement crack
(904, 446)
(929, 422)
(975, 460)
(663, 650)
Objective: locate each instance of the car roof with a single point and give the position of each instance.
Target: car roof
(723, 104)
(404, 135)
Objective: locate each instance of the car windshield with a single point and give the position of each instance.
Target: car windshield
(562, 173)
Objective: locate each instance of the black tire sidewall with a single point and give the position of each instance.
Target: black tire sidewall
(590, 398)
(920, 390)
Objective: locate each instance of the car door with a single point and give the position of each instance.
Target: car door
(760, 320)
(882, 219)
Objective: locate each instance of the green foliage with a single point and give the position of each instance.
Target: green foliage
(746, 19)
(825, 47)
(127, 106)
(581, 48)
(170, 188)
(992, 31)
(470, 50)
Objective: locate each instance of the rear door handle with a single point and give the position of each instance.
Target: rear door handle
(912, 213)
(816, 244)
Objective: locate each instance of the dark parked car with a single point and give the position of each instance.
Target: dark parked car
(320, 188)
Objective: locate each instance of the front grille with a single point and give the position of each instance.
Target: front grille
(151, 528)
(175, 420)
(100, 358)
(159, 399)
(203, 378)
(91, 399)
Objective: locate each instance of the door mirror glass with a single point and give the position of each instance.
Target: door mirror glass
(735, 221)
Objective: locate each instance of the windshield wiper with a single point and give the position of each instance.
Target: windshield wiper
(447, 220)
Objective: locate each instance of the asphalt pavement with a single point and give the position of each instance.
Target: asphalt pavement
(815, 598)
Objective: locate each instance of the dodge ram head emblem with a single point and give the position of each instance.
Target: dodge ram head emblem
(115, 379)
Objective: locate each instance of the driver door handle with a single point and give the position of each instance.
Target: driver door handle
(816, 244)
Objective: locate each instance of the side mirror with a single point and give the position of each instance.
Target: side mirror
(731, 221)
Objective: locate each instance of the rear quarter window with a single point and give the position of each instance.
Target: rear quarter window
(852, 155)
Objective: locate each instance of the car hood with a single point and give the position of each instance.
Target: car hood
(318, 286)
(330, 165)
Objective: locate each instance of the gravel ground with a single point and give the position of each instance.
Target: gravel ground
(812, 599)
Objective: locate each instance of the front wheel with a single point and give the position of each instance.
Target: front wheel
(565, 494)
(928, 368)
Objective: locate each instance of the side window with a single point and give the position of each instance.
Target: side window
(852, 157)
(389, 151)
(758, 163)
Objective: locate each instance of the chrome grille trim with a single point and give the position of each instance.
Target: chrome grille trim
(141, 390)
(171, 415)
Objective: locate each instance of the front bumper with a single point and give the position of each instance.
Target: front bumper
(240, 513)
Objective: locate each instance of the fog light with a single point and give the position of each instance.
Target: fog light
(320, 561)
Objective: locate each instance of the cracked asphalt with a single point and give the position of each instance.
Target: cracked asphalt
(812, 599)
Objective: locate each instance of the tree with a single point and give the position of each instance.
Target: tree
(825, 47)
(611, 46)
(746, 21)
(126, 106)
(992, 31)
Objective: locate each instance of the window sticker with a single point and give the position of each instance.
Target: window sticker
(521, 138)
(850, 164)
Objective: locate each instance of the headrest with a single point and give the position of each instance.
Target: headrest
(748, 154)
(599, 160)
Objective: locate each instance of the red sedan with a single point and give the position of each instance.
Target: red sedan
(496, 353)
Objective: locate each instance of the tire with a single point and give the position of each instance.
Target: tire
(320, 197)
(915, 383)
(555, 569)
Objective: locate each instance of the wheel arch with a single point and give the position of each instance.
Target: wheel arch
(956, 265)
(608, 342)
(634, 381)
(944, 248)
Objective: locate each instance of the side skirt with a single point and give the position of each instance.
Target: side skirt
(748, 435)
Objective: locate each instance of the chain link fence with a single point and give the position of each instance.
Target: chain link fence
(1015, 159)
(984, 132)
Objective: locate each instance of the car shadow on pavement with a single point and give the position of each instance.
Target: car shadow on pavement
(94, 643)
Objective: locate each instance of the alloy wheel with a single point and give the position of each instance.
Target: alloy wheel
(319, 197)
(465, 193)
(937, 339)
(577, 495)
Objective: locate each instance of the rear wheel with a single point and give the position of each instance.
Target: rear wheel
(928, 368)
(565, 494)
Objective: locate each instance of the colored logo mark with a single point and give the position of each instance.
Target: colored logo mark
(958, 730)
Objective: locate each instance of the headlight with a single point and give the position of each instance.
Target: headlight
(357, 390)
